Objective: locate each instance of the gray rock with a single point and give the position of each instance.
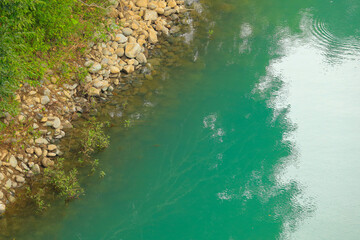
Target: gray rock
(36, 169)
(47, 162)
(38, 151)
(13, 161)
(45, 100)
(41, 141)
(120, 38)
(8, 183)
(132, 50)
(141, 58)
(35, 126)
(101, 84)
(127, 31)
(53, 122)
(94, 92)
(19, 179)
(52, 147)
(2, 208)
(95, 68)
(89, 63)
(174, 29)
(150, 15)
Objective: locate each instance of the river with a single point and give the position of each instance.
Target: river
(255, 136)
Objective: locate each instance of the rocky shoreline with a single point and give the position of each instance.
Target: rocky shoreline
(31, 140)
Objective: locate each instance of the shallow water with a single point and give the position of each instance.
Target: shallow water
(256, 139)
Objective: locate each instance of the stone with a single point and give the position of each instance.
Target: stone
(21, 118)
(120, 52)
(120, 38)
(89, 63)
(114, 69)
(19, 179)
(35, 169)
(172, 3)
(2, 208)
(45, 100)
(141, 3)
(38, 151)
(152, 6)
(174, 29)
(160, 11)
(150, 15)
(141, 58)
(53, 122)
(101, 84)
(41, 141)
(47, 162)
(96, 67)
(13, 161)
(1, 195)
(132, 50)
(153, 36)
(35, 126)
(127, 31)
(93, 92)
(129, 68)
(2, 176)
(52, 147)
(51, 154)
(29, 150)
(8, 183)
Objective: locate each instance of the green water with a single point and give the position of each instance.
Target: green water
(256, 139)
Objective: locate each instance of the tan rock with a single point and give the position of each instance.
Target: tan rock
(153, 36)
(120, 52)
(172, 3)
(94, 91)
(150, 15)
(52, 147)
(129, 68)
(162, 4)
(132, 50)
(142, 3)
(114, 69)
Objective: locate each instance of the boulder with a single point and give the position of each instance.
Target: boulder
(45, 100)
(153, 36)
(127, 31)
(141, 3)
(95, 68)
(13, 161)
(141, 58)
(120, 38)
(41, 141)
(94, 92)
(132, 50)
(150, 15)
(2, 208)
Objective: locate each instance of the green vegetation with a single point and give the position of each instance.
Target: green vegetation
(64, 183)
(94, 138)
(36, 35)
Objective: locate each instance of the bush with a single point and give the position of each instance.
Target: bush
(94, 138)
(65, 183)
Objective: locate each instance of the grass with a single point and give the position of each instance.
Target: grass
(36, 35)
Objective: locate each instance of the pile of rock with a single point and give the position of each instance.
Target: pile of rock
(126, 51)
(47, 111)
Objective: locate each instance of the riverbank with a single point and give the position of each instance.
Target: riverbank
(30, 142)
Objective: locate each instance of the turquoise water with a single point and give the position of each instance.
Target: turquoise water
(254, 136)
